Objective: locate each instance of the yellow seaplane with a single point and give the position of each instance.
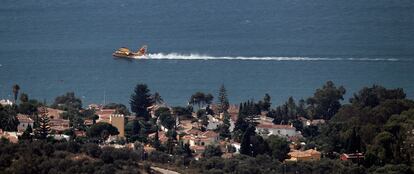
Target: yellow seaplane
(124, 52)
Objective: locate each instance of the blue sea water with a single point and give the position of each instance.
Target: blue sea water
(281, 47)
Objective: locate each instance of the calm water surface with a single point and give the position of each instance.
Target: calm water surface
(51, 47)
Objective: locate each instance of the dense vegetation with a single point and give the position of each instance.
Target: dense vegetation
(376, 121)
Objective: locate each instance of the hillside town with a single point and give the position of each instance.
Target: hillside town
(199, 131)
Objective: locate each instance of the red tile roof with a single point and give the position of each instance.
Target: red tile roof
(194, 131)
(105, 112)
(24, 118)
(210, 134)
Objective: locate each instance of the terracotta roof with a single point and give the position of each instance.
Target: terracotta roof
(24, 118)
(161, 136)
(149, 149)
(52, 113)
(59, 122)
(233, 109)
(210, 134)
(105, 112)
(59, 128)
(11, 136)
(194, 131)
(198, 148)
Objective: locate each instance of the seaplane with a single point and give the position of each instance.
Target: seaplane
(124, 52)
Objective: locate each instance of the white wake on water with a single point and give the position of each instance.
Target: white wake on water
(177, 56)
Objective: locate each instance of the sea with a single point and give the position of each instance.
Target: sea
(280, 47)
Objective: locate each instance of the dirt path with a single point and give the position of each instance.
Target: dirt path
(164, 171)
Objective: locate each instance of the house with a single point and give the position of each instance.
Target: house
(24, 122)
(307, 155)
(354, 157)
(104, 114)
(213, 123)
(52, 113)
(6, 102)
(59, 125)
(198, 150)
(161, 136)
(194, 132)
(60, 137)
(201, 139)
(312, 122)
(265, 128)
(11, 136)
(116, 120)
(184, 126)
(95, 106)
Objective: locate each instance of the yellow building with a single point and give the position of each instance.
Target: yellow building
(118, 121)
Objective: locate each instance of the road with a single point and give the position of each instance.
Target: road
(164, 171)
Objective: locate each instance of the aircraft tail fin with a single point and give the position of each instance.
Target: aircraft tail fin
(143, 50)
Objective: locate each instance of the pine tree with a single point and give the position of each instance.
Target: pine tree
(292, 108)
(44, 129)
(224, 128)
(265, 105)
(27, 133)
(246, 145)
(140, 101)
(251, 112)
(223, 103)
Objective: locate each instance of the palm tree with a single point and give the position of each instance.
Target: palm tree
(16, 89)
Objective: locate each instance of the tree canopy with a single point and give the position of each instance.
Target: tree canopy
(326, 101)
(67, 101)
(200, 99)
(223, 102)
(140, 101)
(101, 130)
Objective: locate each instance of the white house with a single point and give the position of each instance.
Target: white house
(201, 139)
(24, 122)
(267, 129)
(213, 123)
(5, 102)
